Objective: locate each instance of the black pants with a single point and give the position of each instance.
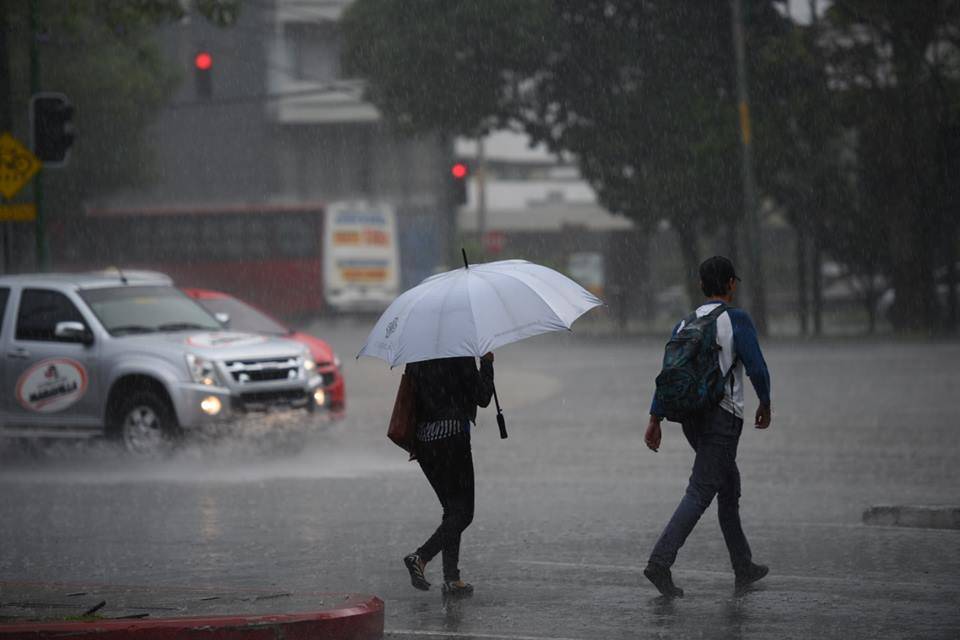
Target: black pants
(714, 437)
(448, 465)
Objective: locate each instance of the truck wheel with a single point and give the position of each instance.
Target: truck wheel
(146, 424)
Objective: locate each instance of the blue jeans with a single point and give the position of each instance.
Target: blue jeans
(714, 437)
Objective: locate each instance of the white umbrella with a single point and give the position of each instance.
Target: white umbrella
(476, 309)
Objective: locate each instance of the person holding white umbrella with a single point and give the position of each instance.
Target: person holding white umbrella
(447, 393)
(438, 329)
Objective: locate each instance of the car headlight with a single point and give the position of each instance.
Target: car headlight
(202, 371)
(308, 367)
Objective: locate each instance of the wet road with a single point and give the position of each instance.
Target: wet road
(567, 510)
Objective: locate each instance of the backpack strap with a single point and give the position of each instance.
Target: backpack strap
(714, 315)
(717, 311)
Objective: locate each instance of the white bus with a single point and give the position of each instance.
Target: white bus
(361, 263)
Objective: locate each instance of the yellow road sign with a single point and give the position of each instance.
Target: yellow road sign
(17, 165)
(26, 212)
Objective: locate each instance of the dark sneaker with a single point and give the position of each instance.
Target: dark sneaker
(414, 567)
(457, 589)
(751, 574)
(662, 580)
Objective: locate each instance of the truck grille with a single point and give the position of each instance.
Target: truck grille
(246, 371)
(263, 400)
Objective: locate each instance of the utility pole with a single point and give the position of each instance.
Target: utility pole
(6, 116)
(755, 268)
(816, 281)
(481, 189)
(43, 261)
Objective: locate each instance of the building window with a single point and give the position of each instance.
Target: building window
(314, 51)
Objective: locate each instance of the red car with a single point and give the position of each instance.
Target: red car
(246, 317)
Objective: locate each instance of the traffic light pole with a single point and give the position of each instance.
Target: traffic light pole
(481, 188)
(40, 231)
(6, 118)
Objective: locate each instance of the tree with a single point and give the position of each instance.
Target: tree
(640, 92)
(896, 70)
(103, 54)
(804, 157)
(454, 67)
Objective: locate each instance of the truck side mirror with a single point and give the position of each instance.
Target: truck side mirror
(73, 332)
(223, 318)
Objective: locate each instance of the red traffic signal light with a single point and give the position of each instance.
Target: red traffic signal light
(203, 74)
(458, 183)
(459, 171)
(203, 61)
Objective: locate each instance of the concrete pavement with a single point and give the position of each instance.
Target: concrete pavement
(567, 507)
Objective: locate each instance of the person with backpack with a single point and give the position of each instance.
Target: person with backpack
(701, 386)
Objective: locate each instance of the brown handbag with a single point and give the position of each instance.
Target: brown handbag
(403, 420)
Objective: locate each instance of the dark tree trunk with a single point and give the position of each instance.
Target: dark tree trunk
(951, 254)
(817, 292)
(915, 309)
(802, 307)
(687, 237)
(870, 300)
(733, 244)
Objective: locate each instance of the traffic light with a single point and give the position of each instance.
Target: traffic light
(458, 183)
(203, 74)
(51, 127)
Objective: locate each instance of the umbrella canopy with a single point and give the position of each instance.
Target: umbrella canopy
(476, 309)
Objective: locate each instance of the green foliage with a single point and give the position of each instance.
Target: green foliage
(895, 72)
(104, 56)
(452, 66)
(849, 113)
(641, 92)
(109, 64)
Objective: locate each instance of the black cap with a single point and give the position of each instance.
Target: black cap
(717, 270)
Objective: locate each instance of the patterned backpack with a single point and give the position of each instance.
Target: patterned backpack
(691, 380)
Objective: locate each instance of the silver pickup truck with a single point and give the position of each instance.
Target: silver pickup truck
(133, 358)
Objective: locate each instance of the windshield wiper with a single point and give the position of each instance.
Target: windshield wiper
(184, 326)
(131, 328)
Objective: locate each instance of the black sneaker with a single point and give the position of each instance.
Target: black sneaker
(751, 574)
(662, 580)
(457, 589)
(417, 579)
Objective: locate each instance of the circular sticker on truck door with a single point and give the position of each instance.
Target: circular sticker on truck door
(52, 385)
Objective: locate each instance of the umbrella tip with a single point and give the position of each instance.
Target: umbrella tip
(466, 265)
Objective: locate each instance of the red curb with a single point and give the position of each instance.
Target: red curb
(362, 621)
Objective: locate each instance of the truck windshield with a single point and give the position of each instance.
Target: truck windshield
(132, 310)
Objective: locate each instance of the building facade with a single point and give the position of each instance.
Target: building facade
(273, 122)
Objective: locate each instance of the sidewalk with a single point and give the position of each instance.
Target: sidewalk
(45, 610)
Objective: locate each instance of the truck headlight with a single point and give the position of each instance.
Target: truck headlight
(211, 405)
(309, 365)
(202, 371)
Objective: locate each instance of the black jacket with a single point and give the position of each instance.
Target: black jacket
(450, 387)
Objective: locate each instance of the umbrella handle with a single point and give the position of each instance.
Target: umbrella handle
(501, 422)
